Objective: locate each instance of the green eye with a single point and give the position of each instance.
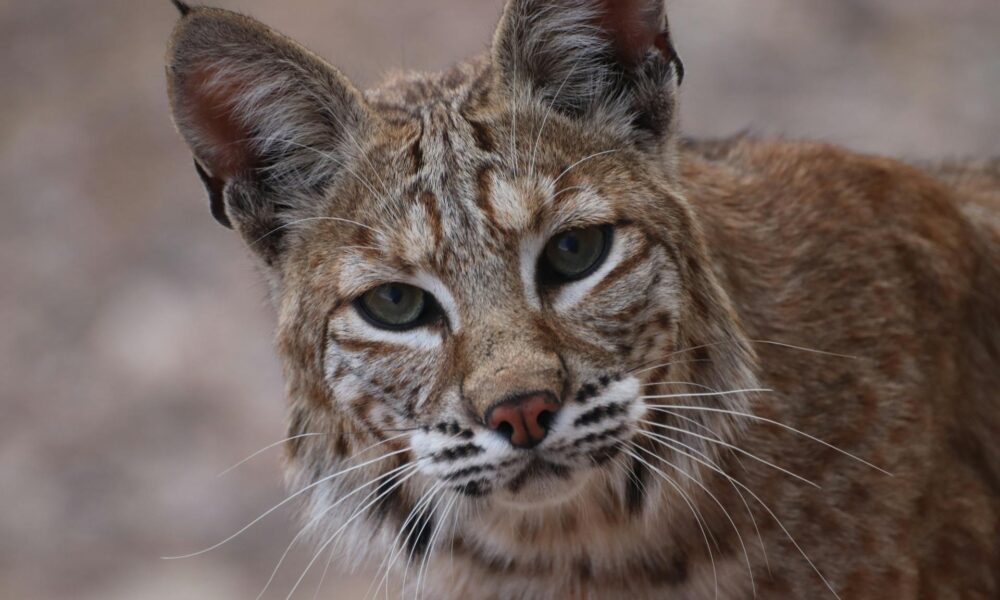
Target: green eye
(575, 254)
(393, 306)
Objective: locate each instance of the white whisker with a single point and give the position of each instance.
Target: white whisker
(431, 495)
(781, 525)
(266, 448)
(574, 188)
(548, 112)
(439, 526)
(581, 161)
(729, 517)
(730, 446)
(306, 219)
(321, 515)
(390, 559)
(697, 515)
(669, 443)
(286, 501)
(778, 424)
(708, 394)
(643, 368)
(692, 384)
(804, 349)
(354, 516)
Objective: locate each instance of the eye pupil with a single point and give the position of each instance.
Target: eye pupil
(575, 254)
(392, 293)
(570, 243)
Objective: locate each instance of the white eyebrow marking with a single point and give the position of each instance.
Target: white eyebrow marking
(511, 201)
(531, 248)
(584, 206)
(571, 294)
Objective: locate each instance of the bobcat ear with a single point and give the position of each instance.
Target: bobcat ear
(598, 58)
(182, 7)
(268, 121)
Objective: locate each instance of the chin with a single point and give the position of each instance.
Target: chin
(544, 485)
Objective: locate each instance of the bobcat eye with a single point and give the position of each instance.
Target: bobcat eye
(575, 254)
(395, 306)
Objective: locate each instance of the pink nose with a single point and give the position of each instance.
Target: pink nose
(524, 420)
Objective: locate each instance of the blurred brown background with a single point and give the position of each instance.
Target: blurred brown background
(135, 358)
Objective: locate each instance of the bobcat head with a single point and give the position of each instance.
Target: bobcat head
(484, 279)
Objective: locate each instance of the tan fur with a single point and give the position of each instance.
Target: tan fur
(753, 286)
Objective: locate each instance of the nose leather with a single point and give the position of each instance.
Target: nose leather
(525, 419)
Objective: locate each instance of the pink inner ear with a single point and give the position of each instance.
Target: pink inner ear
(223, 137)
(634, 26)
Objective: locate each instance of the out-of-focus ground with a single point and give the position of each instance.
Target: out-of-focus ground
(135, 358)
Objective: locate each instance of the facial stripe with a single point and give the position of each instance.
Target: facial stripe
(483, 187)
(628, 265)
(430, 204)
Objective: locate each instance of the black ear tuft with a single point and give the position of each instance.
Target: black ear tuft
(182, 7)
(216, 190)
(664, 43)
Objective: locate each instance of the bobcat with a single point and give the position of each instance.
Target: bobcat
(539, 345)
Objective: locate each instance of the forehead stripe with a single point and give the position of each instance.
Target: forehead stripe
(483, 186)
(430, 202)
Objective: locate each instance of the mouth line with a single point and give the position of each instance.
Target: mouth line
(537, 468)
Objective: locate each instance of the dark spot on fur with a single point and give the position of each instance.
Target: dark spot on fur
(418, 533)
(599, 413)
(587, 391)
(635, 486)
(342, 446)
(484, 139)
(457, 452)
(473, 470)
(700, 354)
(389, 499)
(603, 455)
(677, 573)
(599, 435)
(475, 489)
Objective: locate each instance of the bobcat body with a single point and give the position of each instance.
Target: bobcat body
(778, 376)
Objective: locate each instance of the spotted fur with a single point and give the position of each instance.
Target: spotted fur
(782, 380)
